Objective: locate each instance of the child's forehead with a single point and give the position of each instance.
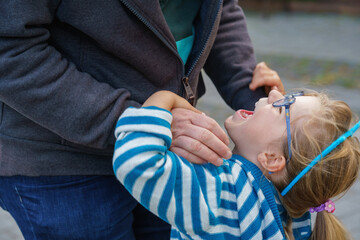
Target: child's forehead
(305, 105)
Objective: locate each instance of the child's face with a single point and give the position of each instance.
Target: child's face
(254, 132)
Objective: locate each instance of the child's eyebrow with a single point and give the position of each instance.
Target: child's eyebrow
(281, 108)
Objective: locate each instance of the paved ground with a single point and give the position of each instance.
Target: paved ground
(328, 37)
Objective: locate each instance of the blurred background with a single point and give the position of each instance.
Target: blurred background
(310, 43)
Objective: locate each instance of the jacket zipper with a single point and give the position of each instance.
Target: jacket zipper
(190, 96)
(189, 93)
(185, 83)
(207, 40)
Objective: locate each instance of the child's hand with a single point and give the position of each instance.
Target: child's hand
(264, 76)
(168, 100)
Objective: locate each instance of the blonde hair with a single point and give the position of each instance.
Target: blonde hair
(332, 176)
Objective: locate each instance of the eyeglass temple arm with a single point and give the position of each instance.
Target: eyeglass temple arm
(287, 117)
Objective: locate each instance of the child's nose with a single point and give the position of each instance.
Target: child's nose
(274, 95)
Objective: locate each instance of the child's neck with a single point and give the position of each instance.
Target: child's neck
(248, 156)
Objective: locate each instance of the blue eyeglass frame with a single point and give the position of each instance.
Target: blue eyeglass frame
(286, 102)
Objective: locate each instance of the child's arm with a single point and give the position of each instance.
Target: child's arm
(168, 100)
(161, 181)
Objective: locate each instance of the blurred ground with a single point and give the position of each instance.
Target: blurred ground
(304, 49)
(318, 49)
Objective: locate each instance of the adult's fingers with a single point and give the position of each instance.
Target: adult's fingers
(209, 123)
(264, 76)
(205, 137)
(187, 155)
(195, 151)
(182, 118)
(199, 135)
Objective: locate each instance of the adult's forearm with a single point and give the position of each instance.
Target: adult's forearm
(232, 61)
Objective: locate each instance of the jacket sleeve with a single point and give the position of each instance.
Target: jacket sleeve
(42, 85)
(167, 185)
(232, 61)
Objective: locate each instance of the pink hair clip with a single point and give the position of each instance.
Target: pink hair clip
(329, 206)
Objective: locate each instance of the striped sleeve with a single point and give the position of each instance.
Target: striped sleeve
(163, 182)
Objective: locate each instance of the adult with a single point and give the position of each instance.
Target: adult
(67, 71)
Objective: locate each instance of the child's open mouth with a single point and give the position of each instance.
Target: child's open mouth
(245, 114)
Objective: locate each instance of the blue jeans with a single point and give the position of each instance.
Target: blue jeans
(77, 207)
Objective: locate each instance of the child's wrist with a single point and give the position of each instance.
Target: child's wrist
(161, 99)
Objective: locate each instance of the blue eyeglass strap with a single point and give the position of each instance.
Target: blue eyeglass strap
(341, 139)
(287, 113)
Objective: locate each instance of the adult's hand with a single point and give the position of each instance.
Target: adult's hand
(198, 138)
(264, 76)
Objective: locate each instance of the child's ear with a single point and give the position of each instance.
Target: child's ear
(272, 162)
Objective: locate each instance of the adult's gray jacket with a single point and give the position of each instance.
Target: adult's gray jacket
(69, 68)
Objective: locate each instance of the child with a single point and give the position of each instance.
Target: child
(238, 199)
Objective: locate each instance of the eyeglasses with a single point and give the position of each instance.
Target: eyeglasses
(286, 102)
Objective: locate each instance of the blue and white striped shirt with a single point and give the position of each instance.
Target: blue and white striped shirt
(199, 201)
